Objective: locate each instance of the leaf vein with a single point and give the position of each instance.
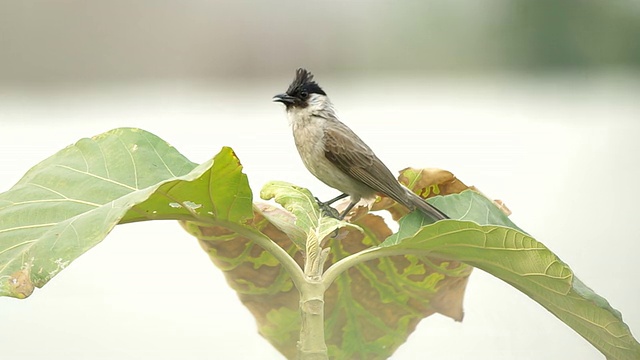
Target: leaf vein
(34, 226)
(98, 177)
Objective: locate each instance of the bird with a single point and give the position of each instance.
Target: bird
(338, 157)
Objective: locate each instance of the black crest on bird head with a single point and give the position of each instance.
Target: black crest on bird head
(303, 84)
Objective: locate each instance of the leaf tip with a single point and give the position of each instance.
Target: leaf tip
(228, 151)
(17, 285)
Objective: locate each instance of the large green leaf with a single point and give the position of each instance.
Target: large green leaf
(515, 257)
(69, 202)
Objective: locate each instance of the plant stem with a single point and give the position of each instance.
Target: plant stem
(311, 345)
(352, 260)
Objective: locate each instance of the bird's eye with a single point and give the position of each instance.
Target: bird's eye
(304, 94)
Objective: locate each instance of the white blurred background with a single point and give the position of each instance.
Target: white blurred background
(535, 103)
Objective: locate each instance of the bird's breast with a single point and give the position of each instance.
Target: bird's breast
(308, 134)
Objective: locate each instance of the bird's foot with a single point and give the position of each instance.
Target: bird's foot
(327, 210)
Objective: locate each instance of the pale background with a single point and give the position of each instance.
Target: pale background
(535, 105)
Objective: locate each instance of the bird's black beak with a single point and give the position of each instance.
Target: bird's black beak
(285, 99)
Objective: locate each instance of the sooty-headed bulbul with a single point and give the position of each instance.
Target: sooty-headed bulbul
(333, 153)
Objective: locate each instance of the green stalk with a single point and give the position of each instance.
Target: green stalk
(312, 344)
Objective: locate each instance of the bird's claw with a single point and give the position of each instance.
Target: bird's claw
(327, 209)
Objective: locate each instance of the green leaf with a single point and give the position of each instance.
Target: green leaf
(229, 189)
(219, 191)
(69, 202)
(521, 261)
(302, 205)
(467, 205)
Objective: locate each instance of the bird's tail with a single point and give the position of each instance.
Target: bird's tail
(416, 202)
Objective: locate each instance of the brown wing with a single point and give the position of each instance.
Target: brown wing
(359, 161)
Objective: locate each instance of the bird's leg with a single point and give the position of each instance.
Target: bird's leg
(346, 211)
(339, 197)
(328, 210)
(326, 206)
